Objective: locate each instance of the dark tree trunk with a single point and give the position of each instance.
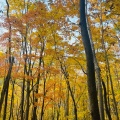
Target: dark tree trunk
(66, 75)
(6, 84)
(28, 101)
(90, 64)
(12, 101)
(67, 104)
(43, 101)
(4, 92)
(98, 74)
(22, 99)
(35, 100)
(107, 61)
(105, 101)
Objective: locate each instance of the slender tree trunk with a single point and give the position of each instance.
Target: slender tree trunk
(99, 81)
(29, 73)
(28, 101)
(24, 46)
(90, 64)
(112, 89)
(117, 75)
(4, 93)
(22, 100)
(98, 74)
(67, 104)
(107, 61)
(43, 101)
(12, 102)
(60, 100)
(73, 99)
(5, 107)
(105, 101)
(66, 75)
(34, 117)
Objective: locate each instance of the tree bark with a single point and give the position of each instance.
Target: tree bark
(90, 64)
(66, 75)
(105, 101)
(4, 92)
(107, 61)
(12, 101)
(98, 74)
(67, 104)
(35, 100)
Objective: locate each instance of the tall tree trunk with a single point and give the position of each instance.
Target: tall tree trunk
(4, 93)
(107, 61)
(22, 100)
(112, 89)
(67, 104)
(35, 100)
(44, 95)
(34, 117)
(5, 89)
(105, 101)
(12, 101)
(25, 53)
(28, 101)
(24, 46)
(73, 99)
(98, 74)
(90, 64)
(29, 73)
(66, 75)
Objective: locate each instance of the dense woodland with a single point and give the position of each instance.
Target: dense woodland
(44, 60)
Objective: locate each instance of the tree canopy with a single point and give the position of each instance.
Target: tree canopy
(44, 63)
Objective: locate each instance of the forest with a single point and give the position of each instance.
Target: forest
(60, 60)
